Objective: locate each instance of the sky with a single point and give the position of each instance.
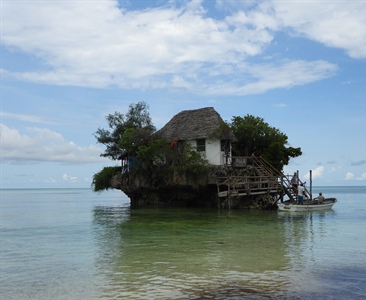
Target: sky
(66, 65)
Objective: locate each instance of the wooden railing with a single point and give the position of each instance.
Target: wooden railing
(246, 185)
(268, 179)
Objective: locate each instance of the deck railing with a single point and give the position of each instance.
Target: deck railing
(268, 179)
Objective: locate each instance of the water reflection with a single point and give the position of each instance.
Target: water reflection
(181, 254)
(306, 236)
(302, 230)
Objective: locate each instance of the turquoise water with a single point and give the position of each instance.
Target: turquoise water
(75, 244)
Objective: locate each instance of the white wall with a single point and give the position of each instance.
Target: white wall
(213, 153)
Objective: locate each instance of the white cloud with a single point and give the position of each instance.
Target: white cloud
(316, 173)
(280, 105)
(42, 144)
(339, 24)
(102, 45)
(362, 177)
(24, 118)
(335, 169)
(349, 176)
(235, 5)
(69, 178)
(50, 180)
(261, 78)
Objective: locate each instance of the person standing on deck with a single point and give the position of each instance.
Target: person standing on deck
(294, 182)
(300, 193)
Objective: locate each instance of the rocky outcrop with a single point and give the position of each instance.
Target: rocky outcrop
(181, 188)
(184, 188)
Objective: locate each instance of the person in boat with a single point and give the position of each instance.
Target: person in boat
(320, 199)
(294, 182)
(300, 193)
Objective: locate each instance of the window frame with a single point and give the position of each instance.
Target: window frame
(201, 145)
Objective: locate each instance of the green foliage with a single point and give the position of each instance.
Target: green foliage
(191, 158)
(187, 162)
(254, 136)
(137, 117)
(156, 152)
(223, 132)
(133, 138)
(101, 180)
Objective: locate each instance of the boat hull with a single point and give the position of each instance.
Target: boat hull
(287, 206)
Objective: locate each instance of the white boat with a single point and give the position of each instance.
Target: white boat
(309, 205)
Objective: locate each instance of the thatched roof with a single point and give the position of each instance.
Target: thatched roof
(195, 124)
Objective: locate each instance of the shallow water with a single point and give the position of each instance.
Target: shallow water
(74, 244)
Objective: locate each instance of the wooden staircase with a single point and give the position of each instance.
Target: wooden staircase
(265, 179)
(264, 167)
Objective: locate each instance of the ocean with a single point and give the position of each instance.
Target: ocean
(76, 244)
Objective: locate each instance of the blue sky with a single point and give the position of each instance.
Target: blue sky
(65, 65)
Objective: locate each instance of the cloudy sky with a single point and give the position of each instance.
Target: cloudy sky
(65, 65)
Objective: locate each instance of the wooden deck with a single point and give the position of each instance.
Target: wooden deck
(264, 180)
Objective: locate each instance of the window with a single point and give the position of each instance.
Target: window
(201, 145)
(225, 146)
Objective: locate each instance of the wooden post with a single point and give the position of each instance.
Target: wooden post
(282, 189)
(311, 185)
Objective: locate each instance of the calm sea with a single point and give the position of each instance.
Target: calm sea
(75, 244)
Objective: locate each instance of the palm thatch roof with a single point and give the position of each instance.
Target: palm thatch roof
(195, 124)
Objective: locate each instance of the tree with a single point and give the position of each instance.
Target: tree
(124, 128)
(102, 180)
(125, 134)
(254, 136)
